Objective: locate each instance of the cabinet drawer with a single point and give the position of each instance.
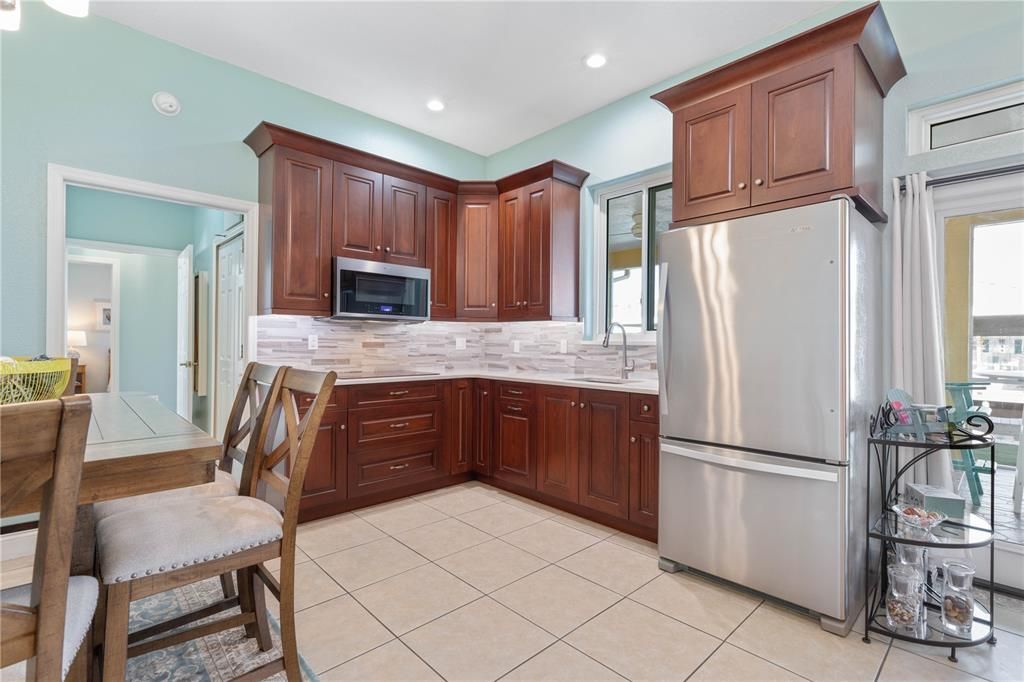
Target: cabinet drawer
(395, 423)
(392, 468)
(515, 391)
(387, 394)
(643, 407)
(338, 399)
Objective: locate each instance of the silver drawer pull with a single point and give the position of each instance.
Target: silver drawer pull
(398, 425)
(397, 392)
(396, 467)
(513, 391)
(513, 408)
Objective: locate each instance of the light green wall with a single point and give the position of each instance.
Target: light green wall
(77, 92)
(128, 219)
(147, 333)
(949, 48)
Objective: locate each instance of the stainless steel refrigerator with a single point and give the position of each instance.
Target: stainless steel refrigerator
(769, 335)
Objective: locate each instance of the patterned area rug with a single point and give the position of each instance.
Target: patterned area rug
(222, 656)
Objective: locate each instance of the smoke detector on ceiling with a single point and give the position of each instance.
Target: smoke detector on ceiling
(166, 103)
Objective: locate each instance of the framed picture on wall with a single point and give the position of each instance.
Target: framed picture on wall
(103, 315)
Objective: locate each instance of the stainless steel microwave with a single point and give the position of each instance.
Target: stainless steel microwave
(370, 290)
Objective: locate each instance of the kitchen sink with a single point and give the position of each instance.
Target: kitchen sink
(604, 380)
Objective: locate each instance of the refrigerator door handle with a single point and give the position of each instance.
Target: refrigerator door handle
(751, 465)
(663, 338)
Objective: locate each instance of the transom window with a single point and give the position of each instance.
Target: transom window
(631, 215)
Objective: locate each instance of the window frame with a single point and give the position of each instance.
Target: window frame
(642, 184)
(921, 120)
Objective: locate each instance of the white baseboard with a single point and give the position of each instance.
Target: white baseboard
(17, 545)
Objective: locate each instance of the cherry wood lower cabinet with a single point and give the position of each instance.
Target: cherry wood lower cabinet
(643, 473)
(462, 429)
(604, 452)
(483, 423)
(326, 479)
(514, 458)
(558, 436)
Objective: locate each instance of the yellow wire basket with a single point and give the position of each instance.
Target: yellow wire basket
(23, 379)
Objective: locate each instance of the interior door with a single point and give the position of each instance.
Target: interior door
(357, 220)
(186, 334)
(711, 144)
(802, 130)
(405, 216)
(229, 334)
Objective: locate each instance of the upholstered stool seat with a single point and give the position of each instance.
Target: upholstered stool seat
(163, 538)
(81, 605)
(223, 485)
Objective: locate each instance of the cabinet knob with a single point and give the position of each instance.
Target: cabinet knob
(387, 249)
(326, 294)
(494, 305)
(485, 392)
(343, 427)
(378, 247)
(572, 403)
(758, 182)
(582, 405)
(646, 408)
(742, 185)
(632, 439)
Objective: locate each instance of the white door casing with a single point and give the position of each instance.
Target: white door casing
(229, 326)
(186, 334)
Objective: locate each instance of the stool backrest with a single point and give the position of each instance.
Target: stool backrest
(42, 447)
(251, 400)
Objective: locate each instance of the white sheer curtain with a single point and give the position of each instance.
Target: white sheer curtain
(917, 360)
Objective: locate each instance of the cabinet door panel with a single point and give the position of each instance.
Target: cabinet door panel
(536, 264)
(604, 452)
(477, 279)
(483, 444)
(441, 252)
(513, 250)
(643, 473)
(326, 473)
(358, 209)
(558, 442)
(405, 216)
(513, 454)
(461, 433)
(302, 232)
(801, 139)
(711, 155)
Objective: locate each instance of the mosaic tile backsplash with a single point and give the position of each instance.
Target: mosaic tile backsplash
(351, 347)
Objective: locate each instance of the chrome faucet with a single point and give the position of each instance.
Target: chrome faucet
(627, 366)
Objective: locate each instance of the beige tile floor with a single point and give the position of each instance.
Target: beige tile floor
(473, 583)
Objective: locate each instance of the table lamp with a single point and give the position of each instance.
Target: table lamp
(76, 338)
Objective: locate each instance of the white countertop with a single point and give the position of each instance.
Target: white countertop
(648, 386)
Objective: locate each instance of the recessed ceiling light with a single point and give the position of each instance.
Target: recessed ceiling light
(435, 105)
(596, 60)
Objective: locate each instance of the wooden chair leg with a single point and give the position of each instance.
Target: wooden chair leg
(227, 585)
(115, 636)
(259, 605)
(289, 643)
(245, 598)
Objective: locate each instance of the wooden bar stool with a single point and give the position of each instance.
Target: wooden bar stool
(41, 452)
(160, 548)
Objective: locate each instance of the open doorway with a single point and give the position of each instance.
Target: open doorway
(160, 306)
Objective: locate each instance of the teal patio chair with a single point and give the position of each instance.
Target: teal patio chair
(964, 407)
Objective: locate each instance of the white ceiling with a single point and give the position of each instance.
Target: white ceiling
(506, 71)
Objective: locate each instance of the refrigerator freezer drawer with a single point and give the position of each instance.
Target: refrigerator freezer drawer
(772, 524)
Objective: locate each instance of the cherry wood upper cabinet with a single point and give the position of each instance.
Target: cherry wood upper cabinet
(536, 282)
(604, 451)
(476, 263)
(711, 151)
(442, 213)
(808, 112)
(295, 233)
(514, 244)
(801, 129)
(405, 216)
(558, 436)
(358, 212)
